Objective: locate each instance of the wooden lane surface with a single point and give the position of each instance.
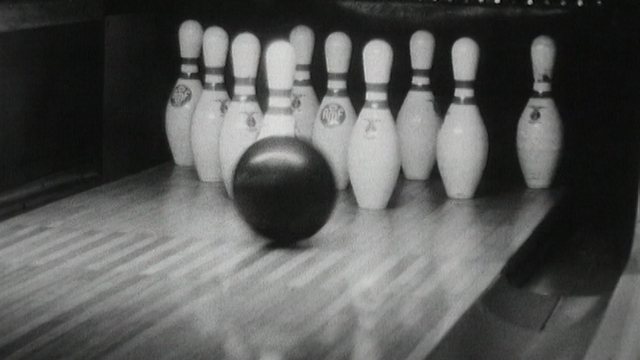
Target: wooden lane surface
(160, 266)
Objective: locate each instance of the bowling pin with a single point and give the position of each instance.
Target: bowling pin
(374, 152)
(209, 113)
(243, 119)
(418, 122)
(539, 136)
(463, 143)
(281, 65)
(185, 94)
(336, 116)
(304, 99)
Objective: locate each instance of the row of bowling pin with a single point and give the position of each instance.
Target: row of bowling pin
(460, 146)
(208, 129)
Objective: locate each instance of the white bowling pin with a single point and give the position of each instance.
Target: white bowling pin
(418, 122)
(304, 99)
(539, 137)
(185, 94)
(336, 116)
(243, 119)
(374, 153)
(209, 113)
(463, 143)
(280, 62)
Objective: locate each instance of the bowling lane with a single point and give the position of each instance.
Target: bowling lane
(160, 266)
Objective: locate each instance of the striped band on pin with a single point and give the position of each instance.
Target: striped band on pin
(244, 98)
(337, 76)
(337, 93)
(377, 87)
(421, 72)
(541, 94)
(245, 81)
(188, 76)
(376, 104)
(464, 100)
(280, 93)
(305, 82)
(278, 110)
(219, 86)
(421, 87)
(464, 84)
(189, 61)
(214, 70)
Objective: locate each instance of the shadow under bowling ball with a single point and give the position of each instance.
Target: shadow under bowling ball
(284, 189)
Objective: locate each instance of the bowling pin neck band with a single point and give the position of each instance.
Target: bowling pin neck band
(337, 85)
(336, 81)
(541, 94)
(190, 61)
(214, 86)
(376, 96)
(214, 79)
(244, 86)
(189, 76)
(541, 89)
(302, 75)
(420, 80)
(337, 93)
(460, 84)
(376, 104)
(214, 70)
(189, 69)
(377, 88)
(420, 87)
(464, 93)
(280, 102)
(280, 93)
(244, 98)
(464, 100)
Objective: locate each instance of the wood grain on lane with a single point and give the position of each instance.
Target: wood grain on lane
(160, 266)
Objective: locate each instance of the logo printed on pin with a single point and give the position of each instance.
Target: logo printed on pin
(535, 114)
(251, 121)
(224, 106)
(371, 132)
(296, 102)
(181, 95)
(332, 115)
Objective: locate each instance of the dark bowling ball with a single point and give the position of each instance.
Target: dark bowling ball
(284, 189)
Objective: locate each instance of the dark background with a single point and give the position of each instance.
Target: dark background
(85, 85)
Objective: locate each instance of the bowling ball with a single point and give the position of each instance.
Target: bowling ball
(284, 189)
